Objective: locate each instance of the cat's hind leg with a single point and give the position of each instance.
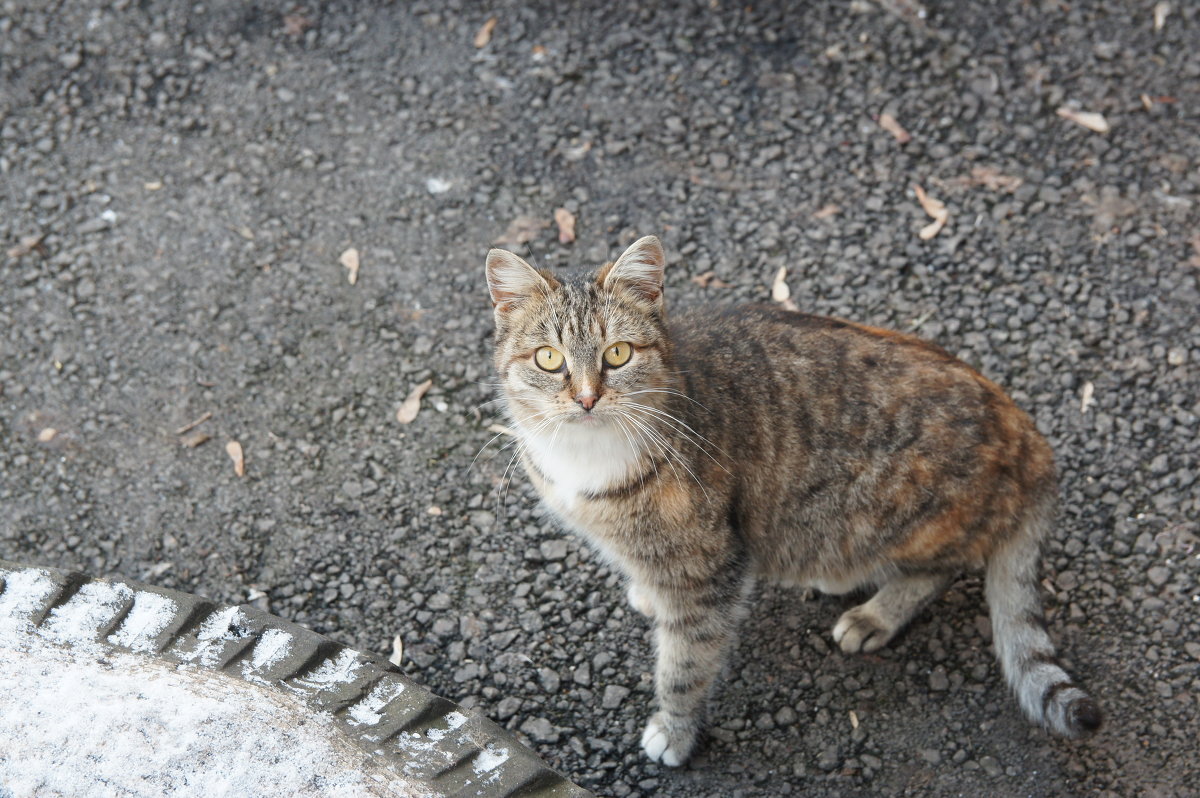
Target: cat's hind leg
(869, 626)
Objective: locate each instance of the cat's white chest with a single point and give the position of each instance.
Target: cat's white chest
(580, 460)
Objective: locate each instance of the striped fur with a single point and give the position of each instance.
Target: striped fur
(758, 443)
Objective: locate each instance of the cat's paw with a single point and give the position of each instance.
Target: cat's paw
(639, 599)
(668, 741)
(860, 630)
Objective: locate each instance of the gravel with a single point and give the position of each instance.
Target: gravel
(194, 173)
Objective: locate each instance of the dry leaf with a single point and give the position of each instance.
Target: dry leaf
(234, 450)
(521, 230)
(397, 651)
(25, 246)
(566, 225)
(412, 404)
(991, 178)
(194, 439)
(295, 25)
(349, 259)
(1090, 120)
(936, 210)
(47, 435)
(889, 123)
(1161, 10)
(780, 291)
(1085, 396)
(485, 33)
(709, 280)
(826, 211)
(191, 425)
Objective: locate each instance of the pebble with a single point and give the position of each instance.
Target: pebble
(614, 696)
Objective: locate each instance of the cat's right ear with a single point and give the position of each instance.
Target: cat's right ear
(511, 280)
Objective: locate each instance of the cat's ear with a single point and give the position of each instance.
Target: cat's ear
(640, 269)
(511, 280)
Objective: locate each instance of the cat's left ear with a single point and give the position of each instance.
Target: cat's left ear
(640, 269)
(511, 280)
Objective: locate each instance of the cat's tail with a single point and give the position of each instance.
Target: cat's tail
(1044, 689)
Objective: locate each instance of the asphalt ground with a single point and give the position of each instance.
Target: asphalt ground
(178, 182)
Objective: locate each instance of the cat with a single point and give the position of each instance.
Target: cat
(756, 442)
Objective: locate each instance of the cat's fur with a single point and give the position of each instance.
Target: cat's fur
(753, 441)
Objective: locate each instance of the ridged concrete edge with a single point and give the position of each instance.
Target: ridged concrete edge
(391, 717)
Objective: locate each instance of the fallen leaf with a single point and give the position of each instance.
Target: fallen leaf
(566, 225)
(485, 33)
(826, 211)
(295, 25)
(936, 210)
(412, 403)
(1092, 121)
(889, 123)
(780, 291)
(194, 439)
(349, 259)
(234, 450)
(522, 230)
(709, 280)
(1085, 396)
(397, 651)
(191, 425)
(26, 245)
(47, 435)
(433, 510)
(992, 178)
(1161, 10)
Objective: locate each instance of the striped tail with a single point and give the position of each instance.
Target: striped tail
(1044, 689)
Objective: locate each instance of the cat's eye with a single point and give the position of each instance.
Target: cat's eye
(548, 358)
(618, 354)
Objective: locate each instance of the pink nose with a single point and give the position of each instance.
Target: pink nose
(587, 400)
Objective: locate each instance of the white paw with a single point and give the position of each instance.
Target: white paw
(860, 630)
(639, 599)
(658, 745)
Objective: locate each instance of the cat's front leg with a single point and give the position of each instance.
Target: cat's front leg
(694, 630)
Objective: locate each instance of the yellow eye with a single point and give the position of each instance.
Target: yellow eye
(548, 358)
(618, 354)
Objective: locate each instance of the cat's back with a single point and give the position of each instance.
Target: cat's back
(827, 418)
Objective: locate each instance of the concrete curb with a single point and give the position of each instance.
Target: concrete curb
(383, 711)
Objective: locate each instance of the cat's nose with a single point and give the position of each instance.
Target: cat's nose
(586, 400)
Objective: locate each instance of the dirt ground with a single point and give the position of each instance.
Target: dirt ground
(178, 184)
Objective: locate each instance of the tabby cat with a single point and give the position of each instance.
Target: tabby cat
(734, 443)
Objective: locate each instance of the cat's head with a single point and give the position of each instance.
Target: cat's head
(586, 348)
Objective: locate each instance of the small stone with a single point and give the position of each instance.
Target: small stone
(507, 708)
(938, 680)
(829, 759)
(549, 679)
(554, 550)
(614, 696)
(990, 765)
(352, 488)
(285, 95)
(540, 730)
(583, 675)
(438, 601)
(1158, 575)
(1177, 356)
(931, 756)
(786, 716)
